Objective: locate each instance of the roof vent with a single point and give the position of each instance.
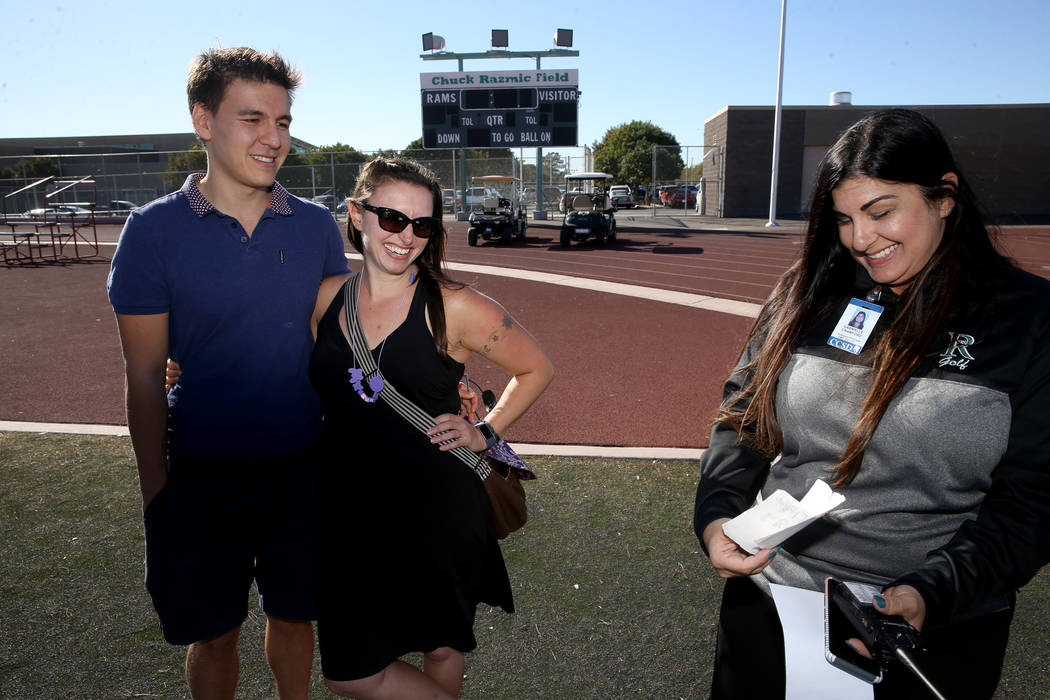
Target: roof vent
(840, 98)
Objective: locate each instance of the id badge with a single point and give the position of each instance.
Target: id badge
(855, 325)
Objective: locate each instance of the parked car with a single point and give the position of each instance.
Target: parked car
(476, 196)
(61, 213)
(326, 200)
(663, 194)
(343, 207)
(551, 195)
(682, 194)
(565, 197)
(449, 200)
(122, 205)
(673, 195)
(621, 196)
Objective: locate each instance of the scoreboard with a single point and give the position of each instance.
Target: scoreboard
(500, 109)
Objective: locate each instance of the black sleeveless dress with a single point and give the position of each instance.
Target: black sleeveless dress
(407, 548)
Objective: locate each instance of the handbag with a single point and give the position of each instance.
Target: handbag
(503, 485)
(500, 469)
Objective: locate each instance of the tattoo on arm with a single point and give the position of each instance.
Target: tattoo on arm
(494, 337)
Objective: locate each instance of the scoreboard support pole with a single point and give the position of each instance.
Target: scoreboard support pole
(462, 184)
(539, 213)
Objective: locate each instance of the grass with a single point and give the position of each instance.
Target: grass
(614, 598)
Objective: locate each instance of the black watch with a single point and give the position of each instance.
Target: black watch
(491, 436)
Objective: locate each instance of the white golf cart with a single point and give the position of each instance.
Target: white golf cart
(500, 217)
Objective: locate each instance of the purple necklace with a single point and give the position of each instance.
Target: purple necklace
(375, 381)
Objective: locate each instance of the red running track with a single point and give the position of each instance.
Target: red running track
(630, 372)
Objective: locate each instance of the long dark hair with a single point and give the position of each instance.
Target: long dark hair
(431, 261)
(900, 146)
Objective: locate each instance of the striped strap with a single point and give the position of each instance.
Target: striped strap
(408, 410)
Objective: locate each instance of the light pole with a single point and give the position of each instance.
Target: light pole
(776, 124)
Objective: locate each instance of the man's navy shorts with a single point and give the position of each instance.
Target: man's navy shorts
(220, 523)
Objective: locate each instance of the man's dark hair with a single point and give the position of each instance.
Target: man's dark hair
(215, 69)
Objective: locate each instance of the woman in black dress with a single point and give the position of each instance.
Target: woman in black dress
(408, 547)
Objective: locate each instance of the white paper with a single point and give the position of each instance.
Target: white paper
(780, 516)
(809, 675)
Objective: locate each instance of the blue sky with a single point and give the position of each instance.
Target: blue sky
(118, 67)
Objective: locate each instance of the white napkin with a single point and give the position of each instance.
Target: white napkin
(780, 516)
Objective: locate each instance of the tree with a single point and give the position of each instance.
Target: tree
(182, 164)
(415, 151)
(693, 174)
(489, 161)
(626, 152)
(480, 161)
(327, 170)
(439, 161)
(554, 167)
(30, 169)
(528, 171)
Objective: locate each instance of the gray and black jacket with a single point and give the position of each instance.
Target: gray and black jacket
(953, 494)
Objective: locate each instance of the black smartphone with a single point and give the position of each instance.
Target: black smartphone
(838, 628)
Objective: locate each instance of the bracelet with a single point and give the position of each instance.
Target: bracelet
(490, 435)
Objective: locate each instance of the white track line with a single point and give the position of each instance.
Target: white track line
(519, 447)
(696, 301)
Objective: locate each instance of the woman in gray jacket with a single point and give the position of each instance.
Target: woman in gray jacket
(935, 427)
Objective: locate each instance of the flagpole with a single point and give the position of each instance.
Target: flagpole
(776, 123)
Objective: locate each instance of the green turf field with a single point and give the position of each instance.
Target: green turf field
(614, 598)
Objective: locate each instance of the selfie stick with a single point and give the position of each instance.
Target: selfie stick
(909, 663)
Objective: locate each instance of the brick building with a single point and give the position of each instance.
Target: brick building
(1004, 151)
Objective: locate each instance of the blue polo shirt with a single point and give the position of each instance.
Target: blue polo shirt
(239, 310)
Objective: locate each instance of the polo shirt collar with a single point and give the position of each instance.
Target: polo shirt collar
(202, 207)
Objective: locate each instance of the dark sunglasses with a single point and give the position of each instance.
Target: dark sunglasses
(395, 222)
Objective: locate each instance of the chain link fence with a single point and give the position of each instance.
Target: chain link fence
(687, 181)
(328, 177)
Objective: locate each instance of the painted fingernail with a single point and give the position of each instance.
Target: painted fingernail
(774, 552)
(850, 645)
(880, 601)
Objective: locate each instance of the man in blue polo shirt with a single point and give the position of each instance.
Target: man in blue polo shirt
(222, 276)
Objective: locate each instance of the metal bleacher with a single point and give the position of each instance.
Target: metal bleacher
(48, 237)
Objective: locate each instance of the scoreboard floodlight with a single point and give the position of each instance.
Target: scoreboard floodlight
(433, 42)
(500, 109)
